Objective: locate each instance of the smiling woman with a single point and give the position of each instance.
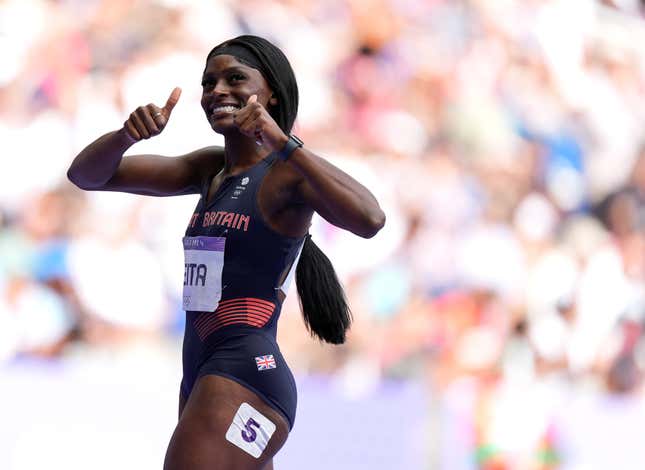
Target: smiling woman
(226, 71)
(245, 241)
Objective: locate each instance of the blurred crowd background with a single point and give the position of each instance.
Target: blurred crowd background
(504, 140)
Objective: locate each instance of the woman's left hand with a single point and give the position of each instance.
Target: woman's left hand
(255, 121)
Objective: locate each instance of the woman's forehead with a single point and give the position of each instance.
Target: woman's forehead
(222, 63)
(225, 61)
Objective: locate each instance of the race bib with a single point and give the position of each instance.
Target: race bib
(250, 430)
(203, 264)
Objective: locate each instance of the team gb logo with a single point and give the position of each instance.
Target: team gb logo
(245, 180)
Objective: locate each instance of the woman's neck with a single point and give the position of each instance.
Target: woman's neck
(240, 153)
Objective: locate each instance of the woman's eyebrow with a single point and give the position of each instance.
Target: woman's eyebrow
(234, 68)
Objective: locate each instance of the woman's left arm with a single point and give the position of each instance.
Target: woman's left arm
(335, 195)
(332, 193)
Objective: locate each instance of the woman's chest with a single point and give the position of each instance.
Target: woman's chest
(224, 217)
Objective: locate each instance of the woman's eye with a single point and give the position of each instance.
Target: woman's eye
(233, 78)
(236, 77)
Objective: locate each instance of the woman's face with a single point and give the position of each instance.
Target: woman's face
(226, 87)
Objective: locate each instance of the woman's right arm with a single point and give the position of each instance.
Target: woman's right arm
(101, 166)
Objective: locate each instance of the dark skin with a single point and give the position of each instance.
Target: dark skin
(289, 195)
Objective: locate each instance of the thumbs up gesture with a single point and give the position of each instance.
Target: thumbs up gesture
(150, 120)
(253, 120)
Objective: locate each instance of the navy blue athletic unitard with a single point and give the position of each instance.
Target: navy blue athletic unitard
(230, 248)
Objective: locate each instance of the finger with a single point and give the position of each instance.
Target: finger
(132, 131)
(241, 116)
(253, 128)
(148, 118)
(251, 123)
(159, 119)
(171, 102)
(140, 126)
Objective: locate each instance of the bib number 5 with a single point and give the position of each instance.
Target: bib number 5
(250, 430)
(249, 434)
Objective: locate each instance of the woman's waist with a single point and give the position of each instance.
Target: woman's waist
(212, 337)
(242, 312)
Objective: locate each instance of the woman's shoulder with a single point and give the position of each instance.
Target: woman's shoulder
(206, 158)
(205, 162)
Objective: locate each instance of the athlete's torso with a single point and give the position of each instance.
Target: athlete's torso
(255, 257)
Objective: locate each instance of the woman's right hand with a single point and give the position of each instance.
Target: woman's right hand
(100, 166)
(150, 120)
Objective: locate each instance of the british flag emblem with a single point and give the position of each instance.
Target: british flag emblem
(265, 362)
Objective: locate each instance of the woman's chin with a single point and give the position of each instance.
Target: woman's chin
(221, 129)
(222, 126)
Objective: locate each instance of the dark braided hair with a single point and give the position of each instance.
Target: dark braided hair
(322, 297)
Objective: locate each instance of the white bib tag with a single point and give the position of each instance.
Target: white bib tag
(203, 264)
(250, 430)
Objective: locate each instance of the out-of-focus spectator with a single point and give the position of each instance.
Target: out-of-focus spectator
(601, 430)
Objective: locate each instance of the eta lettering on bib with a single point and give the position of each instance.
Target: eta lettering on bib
(203, 264)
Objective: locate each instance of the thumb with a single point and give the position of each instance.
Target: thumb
(172, 101)
(252, 99)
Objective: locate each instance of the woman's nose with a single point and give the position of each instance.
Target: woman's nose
(220, 88)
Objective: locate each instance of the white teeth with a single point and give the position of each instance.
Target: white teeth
(228, 109)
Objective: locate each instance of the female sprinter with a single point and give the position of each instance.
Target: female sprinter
(246, 237)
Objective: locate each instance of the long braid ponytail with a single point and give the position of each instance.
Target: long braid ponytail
(322, 298)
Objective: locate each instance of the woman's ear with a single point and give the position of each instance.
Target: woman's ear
(273, 100)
